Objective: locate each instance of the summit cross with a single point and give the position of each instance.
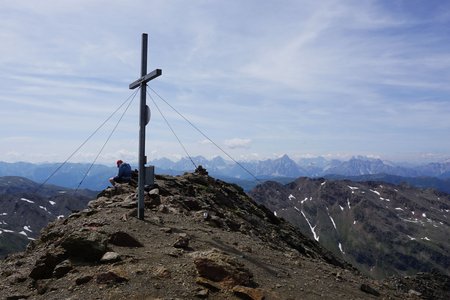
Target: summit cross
(144, 118)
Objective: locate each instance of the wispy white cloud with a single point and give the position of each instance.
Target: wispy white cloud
(237, 143)
(292, 76)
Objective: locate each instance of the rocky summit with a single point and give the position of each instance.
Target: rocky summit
(201, 238)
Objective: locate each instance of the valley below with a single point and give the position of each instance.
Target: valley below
(380, 228)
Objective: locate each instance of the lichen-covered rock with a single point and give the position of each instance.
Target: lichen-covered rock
(124, 239)
(369, 290)
(83, 279)
(110, 257)
(62, 268)
(182, 242)
(152, 200)
(109, 277)
(161, 272)
(86, 245)
(46, 264)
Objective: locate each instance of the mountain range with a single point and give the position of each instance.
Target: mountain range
(284, 169)
(311, 167)
(380, 228)
(68, 175)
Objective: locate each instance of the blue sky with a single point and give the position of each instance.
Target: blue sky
(261, 78)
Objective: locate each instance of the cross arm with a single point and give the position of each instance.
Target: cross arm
(144, 79)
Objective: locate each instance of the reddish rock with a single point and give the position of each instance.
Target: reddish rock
(211, 285)
(219, 267)
(249, 293)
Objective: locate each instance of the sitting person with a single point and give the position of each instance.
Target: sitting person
(124, 174)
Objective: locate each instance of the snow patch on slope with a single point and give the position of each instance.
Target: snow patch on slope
(332, 221)
(376, 192)
(26, 200)
(316, 237)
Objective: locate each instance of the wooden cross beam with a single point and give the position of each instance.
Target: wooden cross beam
(143, 120)
(145, 79)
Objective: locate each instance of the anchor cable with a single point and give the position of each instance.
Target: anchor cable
(106, 142)
(168, 124)
(203, 134)
(85, 141)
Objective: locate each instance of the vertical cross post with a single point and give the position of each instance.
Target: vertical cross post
(143, 120)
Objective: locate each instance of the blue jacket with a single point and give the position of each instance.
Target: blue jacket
(124, 171)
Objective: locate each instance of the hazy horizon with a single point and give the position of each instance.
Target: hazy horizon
(297, 159)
